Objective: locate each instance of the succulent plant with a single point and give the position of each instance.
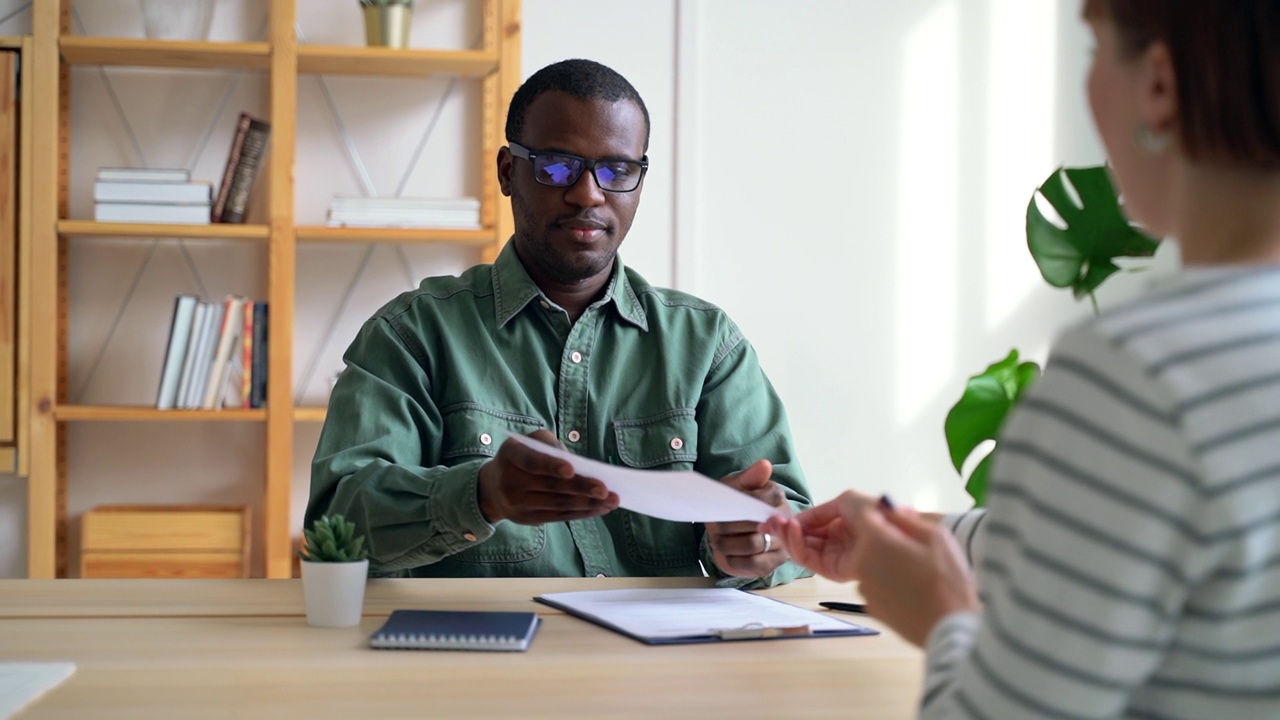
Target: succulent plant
(333, 539)
(375, 3)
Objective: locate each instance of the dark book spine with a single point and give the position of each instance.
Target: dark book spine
(229, 172)
(258, 390)
(246, 171)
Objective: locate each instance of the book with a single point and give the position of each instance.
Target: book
(204, 356)
(200, 193)
(247, 147)
(164, 175)
(456, 630)
(189, 356)
(184, 309)
(671, 616)
(228, 342)
(246, 360)
(188, 214)
(261, 338)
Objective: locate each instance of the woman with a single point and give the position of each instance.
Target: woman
(1130, 555)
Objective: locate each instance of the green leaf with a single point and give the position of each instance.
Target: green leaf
(981, 411)
(977, 484)
(1082, 255)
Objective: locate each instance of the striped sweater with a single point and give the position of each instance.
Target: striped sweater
(1130, 556)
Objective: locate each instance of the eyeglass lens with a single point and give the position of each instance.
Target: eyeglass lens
(564, 170)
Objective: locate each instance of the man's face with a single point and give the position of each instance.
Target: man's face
(569, 235)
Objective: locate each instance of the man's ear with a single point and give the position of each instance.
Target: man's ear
(1158, 100)
(504, 170)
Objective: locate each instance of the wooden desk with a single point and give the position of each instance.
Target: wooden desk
(242, 649)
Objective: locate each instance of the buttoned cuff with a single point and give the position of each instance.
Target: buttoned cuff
(454, 510)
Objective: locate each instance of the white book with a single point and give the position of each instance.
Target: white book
(465, 203)
(200, 318)
(184, 309)
(144, 174)
(153, 192)
(194, 214)
(404, 223)
(228, 343)
(204, 357)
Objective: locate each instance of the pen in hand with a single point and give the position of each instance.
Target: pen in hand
(845, 606)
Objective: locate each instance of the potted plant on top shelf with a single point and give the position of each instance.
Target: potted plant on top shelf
(1076, 250)
(387, 22)
(335, 567)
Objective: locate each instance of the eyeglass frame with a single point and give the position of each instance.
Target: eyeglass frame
(589, 165)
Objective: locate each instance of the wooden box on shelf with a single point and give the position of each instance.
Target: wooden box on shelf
(165, 541)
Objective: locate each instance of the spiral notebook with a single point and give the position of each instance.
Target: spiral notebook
(456, 630)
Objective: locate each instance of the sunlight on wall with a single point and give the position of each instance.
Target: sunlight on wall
(926, 245)
(1020, 127)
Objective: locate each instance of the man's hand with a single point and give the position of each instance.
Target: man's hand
(822, 537)
(527, 487)
(739, 548)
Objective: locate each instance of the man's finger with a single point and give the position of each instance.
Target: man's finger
(532, 461)
(753, 478)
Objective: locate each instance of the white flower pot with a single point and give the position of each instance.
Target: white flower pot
(334, 592)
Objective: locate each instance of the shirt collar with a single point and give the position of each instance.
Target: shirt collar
(513, 289)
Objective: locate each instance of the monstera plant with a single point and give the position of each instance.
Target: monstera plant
(1076, 250)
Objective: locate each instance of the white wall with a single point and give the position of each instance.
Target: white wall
(846, 177)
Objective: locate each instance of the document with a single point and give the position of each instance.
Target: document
(682, 496)
(22, 683)
(665, 616)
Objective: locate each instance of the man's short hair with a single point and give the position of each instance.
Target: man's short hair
(582, 79)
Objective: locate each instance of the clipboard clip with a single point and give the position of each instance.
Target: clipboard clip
(758, 631)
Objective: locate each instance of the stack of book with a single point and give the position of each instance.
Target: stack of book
(453, 213)
(248, 146)
(216, 356)
(151, 195)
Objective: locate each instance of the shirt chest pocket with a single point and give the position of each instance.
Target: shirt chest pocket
(472, 431)
(668, 441)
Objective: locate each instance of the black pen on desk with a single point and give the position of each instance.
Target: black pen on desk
(845, 606)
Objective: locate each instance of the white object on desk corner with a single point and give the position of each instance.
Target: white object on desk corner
(678, 495)
(22, 683)
(333, 592)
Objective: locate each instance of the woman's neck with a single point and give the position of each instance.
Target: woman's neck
(1229, 217)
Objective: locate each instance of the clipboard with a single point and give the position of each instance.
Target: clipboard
(677, 616)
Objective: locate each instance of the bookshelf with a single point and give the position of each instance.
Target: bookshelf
(496, 65)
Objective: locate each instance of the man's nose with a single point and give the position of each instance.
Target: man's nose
(586, 192)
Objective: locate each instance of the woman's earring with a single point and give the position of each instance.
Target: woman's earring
(1154, 143)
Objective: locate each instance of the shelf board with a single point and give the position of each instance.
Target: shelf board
(142, 413)
(90, 50)
(213, 231)
(309, 414)
(358, 60)
(322, 233)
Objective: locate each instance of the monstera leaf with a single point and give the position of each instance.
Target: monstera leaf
(981, 412)
(1082, 254)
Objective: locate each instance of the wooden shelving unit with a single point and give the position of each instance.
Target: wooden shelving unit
(496, 64)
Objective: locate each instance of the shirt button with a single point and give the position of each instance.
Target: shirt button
(574, 436)
(576, 356)
(469, 536)
(676, 443)
(545, 305)
(486, 439)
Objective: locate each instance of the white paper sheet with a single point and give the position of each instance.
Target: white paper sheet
(672, 613)
(22, 683)
(682, 496)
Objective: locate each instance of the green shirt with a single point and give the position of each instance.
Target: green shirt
(436, 380)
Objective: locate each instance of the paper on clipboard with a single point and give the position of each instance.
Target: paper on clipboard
(667, 616)
(681, 496)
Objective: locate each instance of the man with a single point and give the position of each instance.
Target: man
(557, 340)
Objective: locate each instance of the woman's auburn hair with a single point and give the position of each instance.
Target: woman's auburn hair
(1226, 59)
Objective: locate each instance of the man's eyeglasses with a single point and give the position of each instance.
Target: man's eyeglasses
(563, 170)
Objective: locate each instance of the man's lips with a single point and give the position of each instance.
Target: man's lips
(583, 229)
